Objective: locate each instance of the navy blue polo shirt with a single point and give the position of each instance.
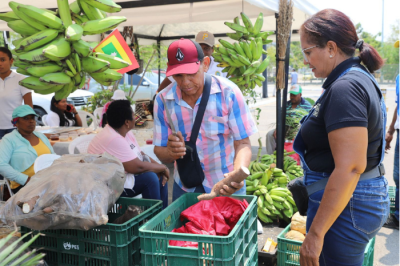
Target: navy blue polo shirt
(349, 101)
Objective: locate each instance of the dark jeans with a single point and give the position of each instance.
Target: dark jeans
(5, 131)
(396, 175)
(150, 187)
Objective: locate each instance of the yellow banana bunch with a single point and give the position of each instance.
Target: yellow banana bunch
(242, 60)
(51, 52)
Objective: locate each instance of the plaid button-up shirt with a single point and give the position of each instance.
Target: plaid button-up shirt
(226, 118)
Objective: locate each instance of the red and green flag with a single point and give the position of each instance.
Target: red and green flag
(115, 45)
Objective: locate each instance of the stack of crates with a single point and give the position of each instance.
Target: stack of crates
(105, 245)
(239, 248)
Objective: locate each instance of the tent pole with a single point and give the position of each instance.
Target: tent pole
(159, 62)
(279, 126)
(159, 54)
(265, 82)
(280, 158)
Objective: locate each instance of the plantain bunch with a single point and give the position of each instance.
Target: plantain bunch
(242, 60)
(51, 51)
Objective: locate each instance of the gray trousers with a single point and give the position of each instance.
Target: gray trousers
(270, 142)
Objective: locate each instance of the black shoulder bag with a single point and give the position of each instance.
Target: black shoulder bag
(189, 167)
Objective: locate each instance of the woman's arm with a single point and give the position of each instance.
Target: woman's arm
(77, 117)
(349, 150)
(136, 166)
(6, 170)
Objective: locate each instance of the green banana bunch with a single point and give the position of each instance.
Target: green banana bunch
(269, 183)
(51, 52)
(242, 58)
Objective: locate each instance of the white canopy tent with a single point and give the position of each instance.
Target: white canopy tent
(168, 20)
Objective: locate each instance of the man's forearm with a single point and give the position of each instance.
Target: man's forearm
(163, 155)
(391, 127)
(242, 155)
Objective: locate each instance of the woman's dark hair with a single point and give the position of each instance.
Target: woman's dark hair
(6, 51)
(63, 121)
(118, 112)
(333, 25)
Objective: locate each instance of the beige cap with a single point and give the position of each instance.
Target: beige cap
(205, 37)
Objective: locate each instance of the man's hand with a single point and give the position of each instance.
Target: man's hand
(388, 139)
(229, 190)
(176, 146)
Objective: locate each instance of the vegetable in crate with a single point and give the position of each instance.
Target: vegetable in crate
(131, 211)
(75, 192)
(236, 176)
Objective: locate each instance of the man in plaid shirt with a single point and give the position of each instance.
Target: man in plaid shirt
(223, 144)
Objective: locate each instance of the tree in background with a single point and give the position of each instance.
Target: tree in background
(296, 57)
(145, 52)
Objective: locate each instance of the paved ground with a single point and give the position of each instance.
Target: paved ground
(387, 240)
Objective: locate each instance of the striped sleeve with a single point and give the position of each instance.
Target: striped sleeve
(241, 122)
(160, 130)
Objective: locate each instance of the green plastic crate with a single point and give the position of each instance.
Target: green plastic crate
(238, 248)
(392, 197)
(105, 245)
(288, 250)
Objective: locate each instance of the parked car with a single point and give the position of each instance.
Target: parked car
(146, 90)
(41, 103)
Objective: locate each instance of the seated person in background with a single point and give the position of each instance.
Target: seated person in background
(62, 114)
(117, 139)
(20, 148)
(295, 102)
(118, 95)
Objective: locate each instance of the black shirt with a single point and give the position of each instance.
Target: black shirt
(349, 101)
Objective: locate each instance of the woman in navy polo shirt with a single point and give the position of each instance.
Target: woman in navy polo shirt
(342, 139)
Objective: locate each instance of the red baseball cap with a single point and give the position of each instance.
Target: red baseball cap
(184, 57)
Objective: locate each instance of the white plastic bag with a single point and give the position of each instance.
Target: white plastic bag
(75, 192)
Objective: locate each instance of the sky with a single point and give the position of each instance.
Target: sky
(367, 12)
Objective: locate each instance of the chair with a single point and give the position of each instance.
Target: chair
(44, 120)
(5, 182)
(84, 115)
(81, 144)
(97, 114)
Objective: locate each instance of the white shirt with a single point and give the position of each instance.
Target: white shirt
(53, 120)
(215, 70)
(212, 70)
(11, 96)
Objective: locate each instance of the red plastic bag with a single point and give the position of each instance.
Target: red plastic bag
(210, 217)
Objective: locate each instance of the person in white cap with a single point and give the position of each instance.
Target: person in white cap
(118, 95)
(207, 42)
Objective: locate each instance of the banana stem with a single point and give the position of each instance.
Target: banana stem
(259, 149)
(144, 72)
